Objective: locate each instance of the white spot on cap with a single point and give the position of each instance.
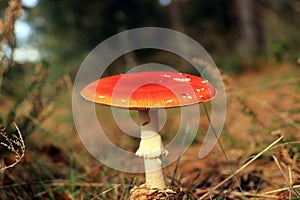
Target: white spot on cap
(203, 89)
(101, 97)
(201, 96)
(123, 100)
(166, 75)
(186, 96)
(198, 90)
(169, 101)
(205, 81)
(182, 79)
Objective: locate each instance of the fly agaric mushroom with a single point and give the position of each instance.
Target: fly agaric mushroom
(147, 92)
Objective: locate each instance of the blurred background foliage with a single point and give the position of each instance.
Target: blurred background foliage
(239, 34)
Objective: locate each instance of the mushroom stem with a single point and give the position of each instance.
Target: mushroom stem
(151, 148)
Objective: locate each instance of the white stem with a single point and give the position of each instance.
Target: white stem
(151, 149)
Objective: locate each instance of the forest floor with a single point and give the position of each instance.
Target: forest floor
(262, 106)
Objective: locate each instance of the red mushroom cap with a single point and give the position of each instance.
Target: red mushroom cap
(144, 90)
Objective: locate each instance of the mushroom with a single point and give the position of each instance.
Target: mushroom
(148, 92)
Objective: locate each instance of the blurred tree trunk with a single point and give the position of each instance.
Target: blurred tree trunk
(175, 16)
(250, 25)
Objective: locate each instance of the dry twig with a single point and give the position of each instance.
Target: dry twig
(241, 168)
(291, 188)
(15, 144)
